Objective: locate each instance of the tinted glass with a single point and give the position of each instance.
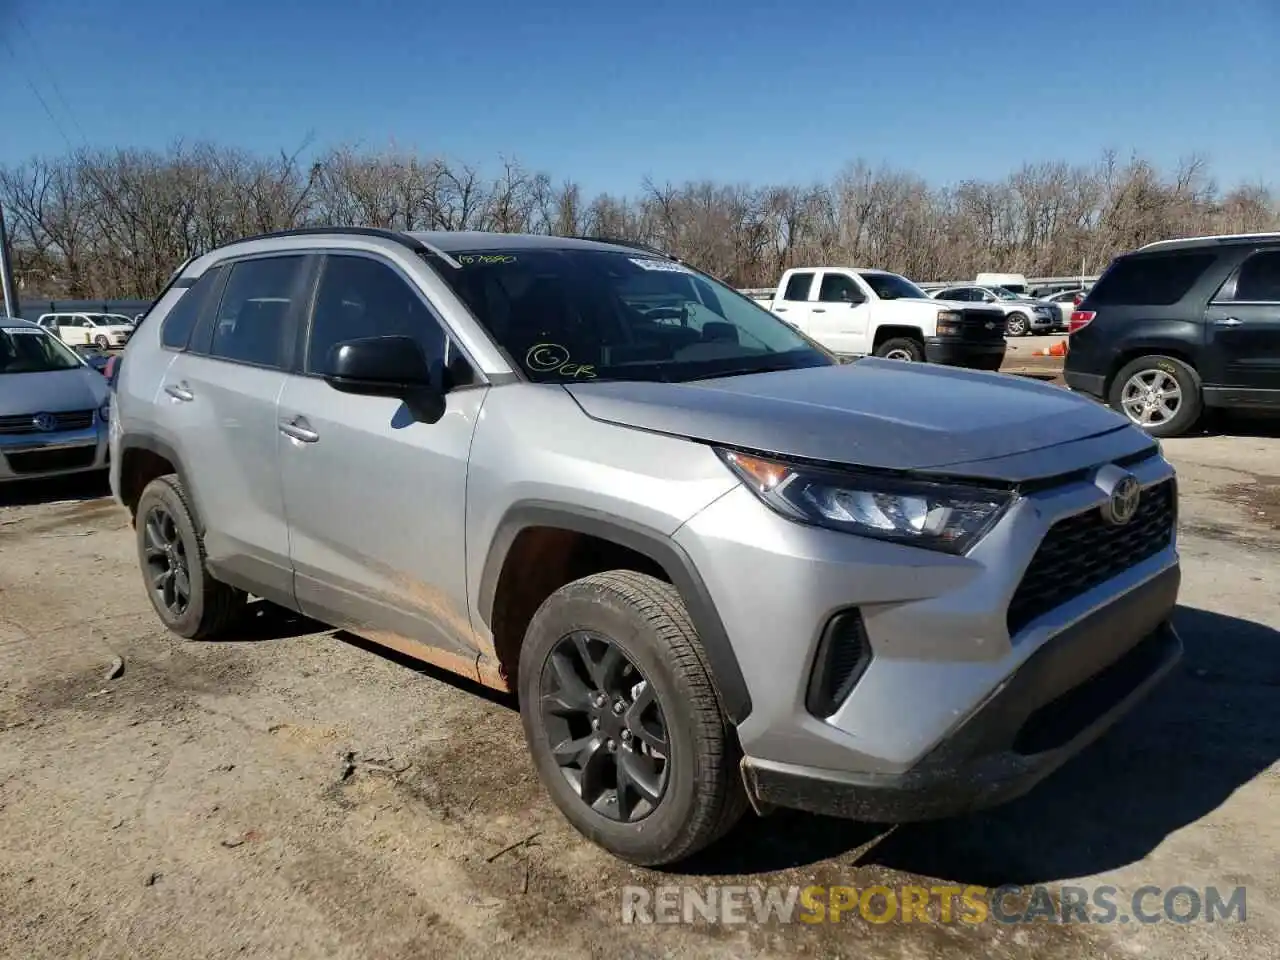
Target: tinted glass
(798, 287)
(1151, 280)
(1260, 278)
(175, 332)
(890, 286)
(565, 315)
(360, 297)
(252, 321)
(837, 288)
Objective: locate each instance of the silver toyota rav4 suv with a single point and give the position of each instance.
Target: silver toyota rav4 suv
(717, 567)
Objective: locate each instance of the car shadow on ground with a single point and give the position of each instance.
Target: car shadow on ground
(263, 620)
(1239, 424)
(76, 486)
(1210, 728)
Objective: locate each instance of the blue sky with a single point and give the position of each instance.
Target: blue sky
(610, 93)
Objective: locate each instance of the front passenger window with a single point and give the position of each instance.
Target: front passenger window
(363, 297)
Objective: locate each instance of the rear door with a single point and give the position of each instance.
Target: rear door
(1243, 330)
(219, 399)
(841, 315)
(793, 303)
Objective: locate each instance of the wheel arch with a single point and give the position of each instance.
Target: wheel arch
(1177, 350)
(890, 331)
(652, 545)
(143, 457)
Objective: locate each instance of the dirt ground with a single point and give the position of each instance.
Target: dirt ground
(297, 793)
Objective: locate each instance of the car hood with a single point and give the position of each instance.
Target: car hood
(82, 388)
(875, 413)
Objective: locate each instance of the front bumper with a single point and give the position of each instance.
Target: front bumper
(973, 354)
(1046, 323)
(946, 660)
(36, 456)
(1070, 692)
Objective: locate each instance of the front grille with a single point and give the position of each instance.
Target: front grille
(973, 325)
(843, 655)
(26, 422)
(47, 461)
(1080, 552)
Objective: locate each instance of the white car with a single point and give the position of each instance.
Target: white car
(102, 330)
(1064, 301)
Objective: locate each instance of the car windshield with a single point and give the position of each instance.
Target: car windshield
(890, 286)
(114, 320)
(572, 314)
(1004, 294)
(33, 351)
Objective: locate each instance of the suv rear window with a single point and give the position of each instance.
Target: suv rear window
(1150, 280)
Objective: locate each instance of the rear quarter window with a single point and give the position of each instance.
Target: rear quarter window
(1151, 280)
(175, 331)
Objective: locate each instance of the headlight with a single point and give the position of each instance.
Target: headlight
(948, 323)
(104, 412)
(937, 516)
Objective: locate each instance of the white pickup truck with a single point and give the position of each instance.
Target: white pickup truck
(855, 311)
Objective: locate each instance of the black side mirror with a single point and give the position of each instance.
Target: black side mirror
(388, 367)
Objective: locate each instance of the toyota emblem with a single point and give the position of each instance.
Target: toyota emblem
(1122, 505)
(44, 422)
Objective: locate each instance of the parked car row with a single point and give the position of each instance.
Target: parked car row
(102, 330)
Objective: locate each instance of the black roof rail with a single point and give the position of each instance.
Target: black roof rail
(395, 236)
(624, 242)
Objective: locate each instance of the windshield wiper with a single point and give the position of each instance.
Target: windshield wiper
(739, 371)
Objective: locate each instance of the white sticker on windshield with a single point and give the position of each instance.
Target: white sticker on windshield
(32, 330)
(669, 266)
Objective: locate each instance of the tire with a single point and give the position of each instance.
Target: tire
(1162, 373)
(101, 342)
(1017, 325)
(212, 606)
(901, 348)
(701, 795)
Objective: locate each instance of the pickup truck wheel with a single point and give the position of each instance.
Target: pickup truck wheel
(1160, 394)
(189, 601)
(1017, 325)
(901, 348)
(623, 721)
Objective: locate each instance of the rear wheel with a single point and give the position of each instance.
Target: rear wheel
(1161, 395)
(623, 722)
(1017, 325)
(901, 348)
(189, 601)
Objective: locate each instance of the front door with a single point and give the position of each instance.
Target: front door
(840, 316)
(376, 500)
(1242, 331)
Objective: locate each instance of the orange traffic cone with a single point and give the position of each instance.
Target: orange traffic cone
(1057, 350)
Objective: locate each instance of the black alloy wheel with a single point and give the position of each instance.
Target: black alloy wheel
(606, 727)
(165, 557)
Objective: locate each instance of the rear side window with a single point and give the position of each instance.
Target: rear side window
(798, 287)
(1259, 280)
(252, 324)
(1151, 280)
(175, 332)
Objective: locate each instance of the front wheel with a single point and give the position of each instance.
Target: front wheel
(1161, 395)
(623, 722)
(901, 348)
(1017, 325)
(101, 342)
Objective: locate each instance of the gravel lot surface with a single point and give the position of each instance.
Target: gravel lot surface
(297, 793)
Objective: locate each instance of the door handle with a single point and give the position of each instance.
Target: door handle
(819, 309)
(299, 429)
(179, 391)
(780, 309)
(1228, 322)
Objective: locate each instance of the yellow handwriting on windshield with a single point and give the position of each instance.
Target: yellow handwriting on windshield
(553, 358)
